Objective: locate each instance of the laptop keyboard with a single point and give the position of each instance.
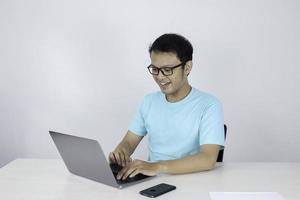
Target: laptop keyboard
(115, 168)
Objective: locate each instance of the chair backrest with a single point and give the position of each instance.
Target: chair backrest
(221, 152)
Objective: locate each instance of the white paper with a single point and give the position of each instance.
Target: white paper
(245, 196)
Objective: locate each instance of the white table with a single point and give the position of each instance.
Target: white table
(49, 179)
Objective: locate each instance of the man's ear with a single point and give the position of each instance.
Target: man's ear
(188, 67)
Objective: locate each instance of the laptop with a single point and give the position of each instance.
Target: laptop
(84, 157)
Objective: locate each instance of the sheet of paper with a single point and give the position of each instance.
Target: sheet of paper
(245, 196)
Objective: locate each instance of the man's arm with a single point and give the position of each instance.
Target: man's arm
(205, 160)
(123, 151)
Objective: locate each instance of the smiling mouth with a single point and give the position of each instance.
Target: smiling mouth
(164, 84)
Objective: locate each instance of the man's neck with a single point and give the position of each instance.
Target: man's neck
(179, 95)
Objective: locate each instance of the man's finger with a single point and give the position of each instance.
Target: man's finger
(121, 173)
(117, 157)
(134, 173)
(128, 172)
(112, 157)
(123, 158)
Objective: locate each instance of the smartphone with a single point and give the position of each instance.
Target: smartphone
(157, 190)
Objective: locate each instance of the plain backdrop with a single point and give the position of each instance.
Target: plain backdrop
(79, 67)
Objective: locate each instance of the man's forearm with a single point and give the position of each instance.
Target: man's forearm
(129, 143)
(126, 147)
(195, 163)
(205, 160)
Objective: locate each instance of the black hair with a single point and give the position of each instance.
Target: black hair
(174, 43)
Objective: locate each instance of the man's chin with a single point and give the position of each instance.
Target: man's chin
(166, 92)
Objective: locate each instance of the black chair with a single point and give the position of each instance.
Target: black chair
(221, 152)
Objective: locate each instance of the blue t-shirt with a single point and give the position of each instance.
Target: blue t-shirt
(176, 130)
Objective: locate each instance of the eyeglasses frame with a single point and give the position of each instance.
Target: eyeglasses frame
(161, 69)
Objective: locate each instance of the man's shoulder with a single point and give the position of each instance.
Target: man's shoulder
(205, 97)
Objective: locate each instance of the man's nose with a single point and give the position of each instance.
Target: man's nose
(160, 74)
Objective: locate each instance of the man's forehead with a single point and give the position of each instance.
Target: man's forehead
(164, 58)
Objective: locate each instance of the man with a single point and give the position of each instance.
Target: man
(184, 125)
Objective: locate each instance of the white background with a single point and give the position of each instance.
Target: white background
(79, 67)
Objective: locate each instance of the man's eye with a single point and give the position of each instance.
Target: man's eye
(167, 69)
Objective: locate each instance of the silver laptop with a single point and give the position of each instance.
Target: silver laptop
(84, 157)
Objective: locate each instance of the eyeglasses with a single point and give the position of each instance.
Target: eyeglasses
(166, 71)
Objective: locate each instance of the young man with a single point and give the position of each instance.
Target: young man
(184, 125)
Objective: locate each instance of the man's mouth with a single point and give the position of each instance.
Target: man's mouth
(164, 84)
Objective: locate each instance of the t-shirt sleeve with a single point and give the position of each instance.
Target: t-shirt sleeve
(211, 129)
(137, 124)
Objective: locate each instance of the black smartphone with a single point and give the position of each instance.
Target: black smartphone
(157, 190)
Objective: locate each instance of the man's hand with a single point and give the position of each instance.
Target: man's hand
(120, 157)
(138, 167)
